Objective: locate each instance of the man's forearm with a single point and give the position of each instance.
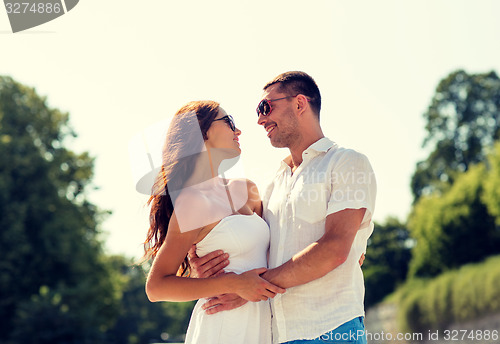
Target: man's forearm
(309, 264)
(322, 256)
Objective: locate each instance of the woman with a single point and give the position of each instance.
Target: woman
(191, 204)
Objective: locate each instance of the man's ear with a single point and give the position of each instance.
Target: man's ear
(302, 103)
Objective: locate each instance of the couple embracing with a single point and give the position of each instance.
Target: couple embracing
(281, 268)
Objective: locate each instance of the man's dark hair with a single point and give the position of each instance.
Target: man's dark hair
(293, 83)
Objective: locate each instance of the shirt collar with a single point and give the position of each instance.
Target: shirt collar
(323, 145)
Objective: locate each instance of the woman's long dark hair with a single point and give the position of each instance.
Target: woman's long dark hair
(182, 146)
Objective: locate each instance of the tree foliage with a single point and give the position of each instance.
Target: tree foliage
(463, 121)
(387, 259)
(491, 196)
(455, 227)
(141, 321)
(455, 188)
(56, 285)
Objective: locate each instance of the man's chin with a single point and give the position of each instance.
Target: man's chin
(277, 144)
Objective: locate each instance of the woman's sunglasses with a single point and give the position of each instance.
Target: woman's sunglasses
(229, 120)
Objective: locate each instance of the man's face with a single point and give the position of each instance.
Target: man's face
(281, 124)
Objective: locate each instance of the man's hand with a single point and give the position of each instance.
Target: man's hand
(361, 259)
(224, 302)
(210, 265)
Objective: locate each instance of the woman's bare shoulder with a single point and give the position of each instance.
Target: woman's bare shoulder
(193, 210)
(242, 182)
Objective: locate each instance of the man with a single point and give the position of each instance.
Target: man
(319, 209)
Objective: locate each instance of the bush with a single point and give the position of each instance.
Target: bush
(459, 295)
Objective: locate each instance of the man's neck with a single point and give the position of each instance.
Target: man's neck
(296, 152)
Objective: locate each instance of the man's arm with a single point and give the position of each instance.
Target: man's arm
(313, 262)
(322, 256)
(212, 265)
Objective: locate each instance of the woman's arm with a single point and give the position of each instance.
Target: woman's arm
(163, 284)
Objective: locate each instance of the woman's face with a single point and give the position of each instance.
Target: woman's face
(220, 134)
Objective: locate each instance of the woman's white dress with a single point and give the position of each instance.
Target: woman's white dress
(246, 239)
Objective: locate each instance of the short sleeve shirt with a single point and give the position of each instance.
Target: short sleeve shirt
(329, 179)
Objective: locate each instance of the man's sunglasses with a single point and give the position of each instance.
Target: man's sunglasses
(229, 120)
(264, 108)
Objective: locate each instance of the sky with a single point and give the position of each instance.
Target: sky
(121, 66)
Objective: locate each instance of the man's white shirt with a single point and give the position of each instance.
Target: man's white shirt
(328, 180)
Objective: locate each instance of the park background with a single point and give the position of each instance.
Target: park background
(119, 67)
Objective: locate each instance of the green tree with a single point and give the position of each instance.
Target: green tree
(141, 321)
(453, 228)
(387, 259)
(56, 285)
(463, 121)
(491, 195)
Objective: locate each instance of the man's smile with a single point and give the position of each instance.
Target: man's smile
(270, 128)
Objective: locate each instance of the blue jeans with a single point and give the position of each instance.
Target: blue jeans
(350, 332)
